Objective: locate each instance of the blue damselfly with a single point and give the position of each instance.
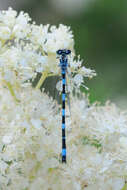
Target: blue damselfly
(63, 65)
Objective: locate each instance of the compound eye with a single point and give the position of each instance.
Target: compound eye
(68, 51)
(59, 52)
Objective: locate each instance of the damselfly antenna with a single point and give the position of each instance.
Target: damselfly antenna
(63, 65)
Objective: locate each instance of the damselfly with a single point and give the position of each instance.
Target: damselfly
(63, 65)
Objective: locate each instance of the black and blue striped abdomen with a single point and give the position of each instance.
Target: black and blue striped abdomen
(63, 116)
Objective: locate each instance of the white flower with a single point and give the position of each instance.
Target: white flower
(21, 28)
(23, 63)
(8, 17)
(3, 167)
(59, 86)
(7, 139)
(75, 64)
(8, 76)
(59, 38)
(117, 183)
(87, 72)
(42, 63)
(36, 123)
(39, 34)
(5, 33)
(123, 142)
(22, 19)
(78, 79)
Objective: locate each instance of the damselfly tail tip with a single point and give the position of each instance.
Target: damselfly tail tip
(63, 159)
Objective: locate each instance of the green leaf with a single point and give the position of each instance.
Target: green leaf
(85, 140)
(3, 147)
(8, 162)
(125, 187)
(93, 142)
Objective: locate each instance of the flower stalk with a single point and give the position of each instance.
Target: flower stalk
(11, 90)
(42, 79)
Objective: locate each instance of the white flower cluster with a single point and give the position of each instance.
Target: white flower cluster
(30, 127)
(31, 144)
(26, 48)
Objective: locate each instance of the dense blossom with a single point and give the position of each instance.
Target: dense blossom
(31, 144)
(27, 48)
(30, 120)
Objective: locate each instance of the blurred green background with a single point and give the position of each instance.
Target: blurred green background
(100, 32)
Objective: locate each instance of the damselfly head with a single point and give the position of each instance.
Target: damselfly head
(63, 52)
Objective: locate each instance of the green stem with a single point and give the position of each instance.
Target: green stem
(10, 88)
(40, 82)
(43, 77)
